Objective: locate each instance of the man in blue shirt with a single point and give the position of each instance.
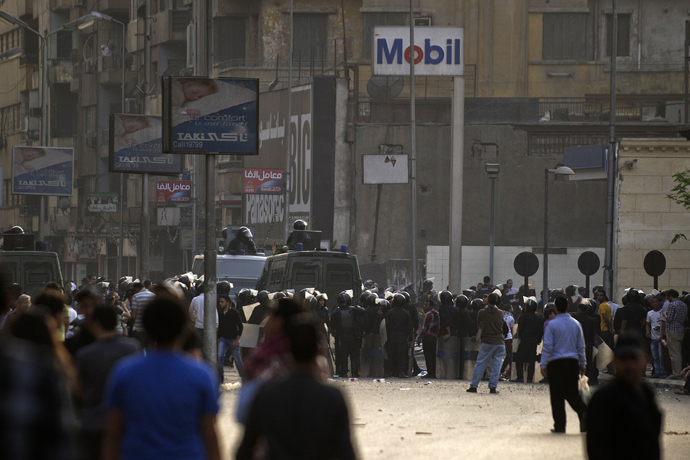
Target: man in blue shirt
(562, 360)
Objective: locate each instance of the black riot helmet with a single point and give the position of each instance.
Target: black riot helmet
(407, 296)
(363, 297)
(531, 305)
(344, 299)
(385, 304)
(244, 232)
(446, 297)
(461, 301)
(299, 224)
(398, 300)
(477, 304)
(17, 230)
(279, 295)
(371, 300)
(223, 288)
(245, 296)
(313, 303)
(262, 297)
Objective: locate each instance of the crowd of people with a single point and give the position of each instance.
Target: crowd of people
(101, 357)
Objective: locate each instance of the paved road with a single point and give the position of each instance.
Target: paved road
(415, 418)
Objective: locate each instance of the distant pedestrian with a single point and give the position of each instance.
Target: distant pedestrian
(623, 419)
(530, 332)
(229, 332)
(141, 298)
(492, 330)
(562, 356)
(196, 312)
(319, 422)
(429, 336)
(655, 318)
(93, 364)
(162, 405)
(674, 330)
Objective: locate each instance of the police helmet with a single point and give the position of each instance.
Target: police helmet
(299, 224)
(446, 297)
(363, 297)
(313, 303)
(531, 305)
(223, 287)
(245, 296)
(477, 304)
(398, 300)
(461, 301)
(245, 232)
(262, 297)
(344, 299)
(15, 230)
(384, 303)
(279, 295)
(407, 296)
(371, 300)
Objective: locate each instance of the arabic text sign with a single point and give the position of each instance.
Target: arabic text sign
(136, 146)
(174, 191)
(102, 202)
(268, 181)
(206, 115)
(42, 171)
(438, 51)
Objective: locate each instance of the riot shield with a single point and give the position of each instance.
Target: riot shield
(371, 362)
(470, 350)
(448, 358)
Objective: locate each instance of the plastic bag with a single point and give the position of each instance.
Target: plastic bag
(583, 388)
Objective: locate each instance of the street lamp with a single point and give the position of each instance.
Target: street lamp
(492, 169)
(82, 23)
(560, 171)
(11, 54)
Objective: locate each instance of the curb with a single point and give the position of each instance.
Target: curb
(653, 383)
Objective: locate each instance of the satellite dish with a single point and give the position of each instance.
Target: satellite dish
(383, 88)
(63, 203)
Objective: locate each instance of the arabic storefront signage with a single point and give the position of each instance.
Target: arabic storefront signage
(102, 202)
(265, 181)
(174, 191)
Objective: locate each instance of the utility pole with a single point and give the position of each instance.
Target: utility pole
(145, 234)
(413, 156)
(288, 134)
(611, 162)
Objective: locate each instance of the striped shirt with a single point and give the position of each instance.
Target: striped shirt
(139, 302)
(677, 312)
(432, 323)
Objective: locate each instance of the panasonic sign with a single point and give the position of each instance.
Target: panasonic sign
(438, 51)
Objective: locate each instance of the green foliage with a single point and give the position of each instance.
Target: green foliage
(680, 194)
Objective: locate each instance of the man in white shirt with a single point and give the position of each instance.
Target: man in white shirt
(142, 297)
(654, 319)
(196, 312)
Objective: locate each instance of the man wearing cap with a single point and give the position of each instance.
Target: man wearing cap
(623, 419)
(562, 356)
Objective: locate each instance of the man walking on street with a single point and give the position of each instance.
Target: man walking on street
(429, 336)
(492, 330)
(674, 330)
(229, 332)
(562, 356)
(530, 331)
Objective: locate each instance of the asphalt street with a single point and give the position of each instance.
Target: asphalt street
(417, 418)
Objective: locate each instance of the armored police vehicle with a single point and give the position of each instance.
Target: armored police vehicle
(21, 264)
(242, 271)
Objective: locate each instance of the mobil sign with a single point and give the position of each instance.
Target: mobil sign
(438, 51)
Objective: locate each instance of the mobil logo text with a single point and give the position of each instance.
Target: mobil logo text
(437, 51)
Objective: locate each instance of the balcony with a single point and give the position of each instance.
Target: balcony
(170, 26)
(110, 6)
(60, 72)
(63, 4)
(110, 69)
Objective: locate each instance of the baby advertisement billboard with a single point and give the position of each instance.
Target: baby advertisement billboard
(206, 115)
(42, 170)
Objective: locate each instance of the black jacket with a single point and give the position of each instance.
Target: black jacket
(467, 327)
(397, 321)
(448, 318)
(622, 424)
(229, 324)
(530, 328)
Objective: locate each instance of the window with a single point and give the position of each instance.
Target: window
(231, 39)
(369, 20)
(64, 44)
(623, 34)
(310, 34)
(565, 37)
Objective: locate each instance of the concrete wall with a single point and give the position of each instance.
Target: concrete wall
(576, 209)
(563, 269)
(647, 218)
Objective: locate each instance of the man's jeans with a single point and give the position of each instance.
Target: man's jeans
(658, 357)
(486, 354)
(223, 345)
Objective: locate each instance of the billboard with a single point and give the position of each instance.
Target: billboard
(210, 115)
(438, 51)
(42, 170)
(268, 181)
(102, 202)
(2, 189)
(174, 191)
(385, 169)
(136, 146)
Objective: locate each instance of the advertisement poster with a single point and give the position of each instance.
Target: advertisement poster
(206, 115)
(101, 202)
(174, 191)
(136, 146)
(42, 171)
(267, 181)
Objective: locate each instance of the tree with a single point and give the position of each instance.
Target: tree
(681, 195)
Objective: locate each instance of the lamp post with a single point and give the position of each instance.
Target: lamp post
(560, 171)
(85, 22)
(492, 169)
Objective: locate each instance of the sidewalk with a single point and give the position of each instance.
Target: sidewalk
(654, 383)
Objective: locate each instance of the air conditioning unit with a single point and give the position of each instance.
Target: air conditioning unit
(78, 2)
(424, 21)
(35, 112)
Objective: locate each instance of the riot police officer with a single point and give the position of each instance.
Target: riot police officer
(261, 310)
(296, 237)
(242, 242)
(449, 315)
(397, 330)
(345, 329)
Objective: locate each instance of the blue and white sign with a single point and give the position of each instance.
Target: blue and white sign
(438, 51)
(42, 170)
(205, 115)
(136, 146)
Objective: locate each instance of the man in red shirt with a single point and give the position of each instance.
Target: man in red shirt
(429, 336)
